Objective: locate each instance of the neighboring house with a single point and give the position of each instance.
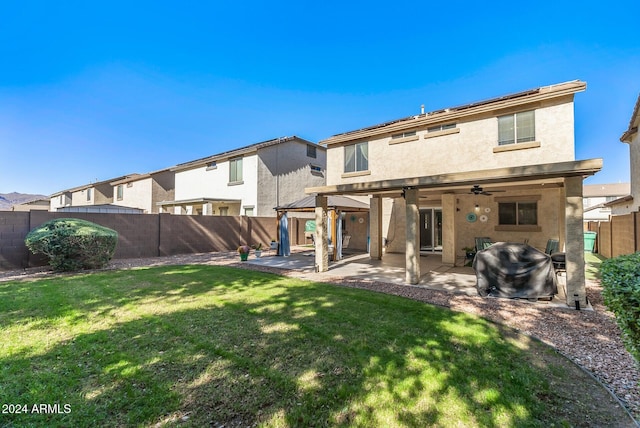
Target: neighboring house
(503, 168)
(596, 197)
(40, 204)
(631, 202)
(145, 191)
(251, 180)
(98, 193)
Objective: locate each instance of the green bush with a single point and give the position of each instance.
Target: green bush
(621, 293)
(73, 244)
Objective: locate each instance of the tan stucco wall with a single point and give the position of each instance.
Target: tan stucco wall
(550, 219)
(34, 206)
(356, 225)
(284, 172)
(470, 149)
(79, 198)
(634, 158)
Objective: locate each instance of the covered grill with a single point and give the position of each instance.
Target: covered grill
(514, 271)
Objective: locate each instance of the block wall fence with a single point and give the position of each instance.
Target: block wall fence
(147, 235)
(154, 235)
(620, 235)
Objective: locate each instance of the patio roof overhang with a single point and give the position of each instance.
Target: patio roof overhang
(539, 174)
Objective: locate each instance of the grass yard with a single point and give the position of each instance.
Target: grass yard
(592, 264)
(210, 346)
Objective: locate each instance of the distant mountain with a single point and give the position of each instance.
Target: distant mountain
(7, 200)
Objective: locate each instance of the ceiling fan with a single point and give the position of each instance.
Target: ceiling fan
(477, 190)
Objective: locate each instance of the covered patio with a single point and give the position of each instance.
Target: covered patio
(555, 187)
(436, 275)
(338, 208)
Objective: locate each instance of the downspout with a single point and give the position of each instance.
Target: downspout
(277, 176)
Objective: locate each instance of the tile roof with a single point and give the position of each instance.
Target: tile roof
(240, 151)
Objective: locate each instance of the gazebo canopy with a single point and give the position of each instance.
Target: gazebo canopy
(334, 202)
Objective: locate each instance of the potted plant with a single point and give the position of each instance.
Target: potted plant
(469, 252)
(258, 249)
(243, 250)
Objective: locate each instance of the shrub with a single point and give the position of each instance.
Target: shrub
(621, 293)
(73, 244)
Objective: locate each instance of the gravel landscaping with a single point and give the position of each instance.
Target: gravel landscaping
(590, 338)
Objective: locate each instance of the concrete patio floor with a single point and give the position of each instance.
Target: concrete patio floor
(391, 269)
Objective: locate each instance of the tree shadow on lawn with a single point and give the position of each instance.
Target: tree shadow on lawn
(74, 297)
(276, 351)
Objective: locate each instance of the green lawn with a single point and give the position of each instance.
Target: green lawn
(592, 264)
(203, 345)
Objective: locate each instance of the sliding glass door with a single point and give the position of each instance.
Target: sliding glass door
(431, 229)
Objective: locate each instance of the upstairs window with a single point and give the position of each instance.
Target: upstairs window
(518, 213)
(311, 151)
(356, 157)
(119, 192)
(235, 170)
(441, 127)
(516, 128)
(403, 135)
(88, 194)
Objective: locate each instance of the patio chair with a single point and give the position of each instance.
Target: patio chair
(552, 246)
(557, 258)
(483, 243)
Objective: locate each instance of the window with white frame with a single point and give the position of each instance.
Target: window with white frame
(224, 210)
(248, 211)
(356, 157)
(119, 192)
(235, 170)
(518, 213)
(89, 194)
(516, 128)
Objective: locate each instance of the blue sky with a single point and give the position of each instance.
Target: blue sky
(95, 90)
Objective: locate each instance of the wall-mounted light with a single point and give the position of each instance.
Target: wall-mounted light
(477, 209)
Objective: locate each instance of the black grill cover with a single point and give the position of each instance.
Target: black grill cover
(514, 271)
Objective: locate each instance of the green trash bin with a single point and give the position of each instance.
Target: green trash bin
(589, 241)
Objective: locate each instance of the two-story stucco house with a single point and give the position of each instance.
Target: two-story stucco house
(629, 203)
(250, 180)
(144, 191)
(503, 168)
(596, 198)
(98, 193)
